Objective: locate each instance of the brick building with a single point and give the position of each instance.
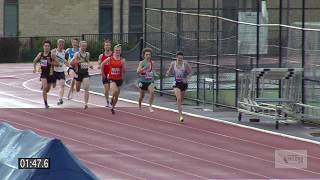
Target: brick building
(74, 17)
(69, 17)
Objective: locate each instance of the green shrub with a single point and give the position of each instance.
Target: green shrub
(9, 49)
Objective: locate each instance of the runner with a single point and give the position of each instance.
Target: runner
(58, 54)
(81, 60)
(105, 81)
(182, 72)
(71, 70)
(116, 74)
(146, 77)
(46, 63)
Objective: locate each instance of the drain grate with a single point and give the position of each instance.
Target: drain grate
(315, 134)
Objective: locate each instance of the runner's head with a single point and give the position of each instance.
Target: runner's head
(117, 50)
(60, 44)
(179, 56)
(83, 46)
(107, 45)
(75, 43)
(46, 45)
(146, 53)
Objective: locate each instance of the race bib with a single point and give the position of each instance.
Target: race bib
(179, 77)
(43, 63)
(115, 71)
(84, 66)
(148, 75)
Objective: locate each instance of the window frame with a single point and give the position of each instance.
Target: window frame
(10, 2)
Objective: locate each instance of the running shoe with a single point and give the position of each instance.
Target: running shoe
(85, 106)
(60, 102)
(112, 111)
(151, 109)
(181, 119)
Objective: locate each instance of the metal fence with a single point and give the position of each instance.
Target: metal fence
(236, 36)
(24, 49)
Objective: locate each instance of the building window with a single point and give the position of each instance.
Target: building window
(105, 16)
(136, 15)
(11, 17)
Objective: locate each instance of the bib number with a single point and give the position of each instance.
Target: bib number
(148, 75)
(84, 65)
(43, 63)
(115, 71)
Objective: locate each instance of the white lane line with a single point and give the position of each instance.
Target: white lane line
(146, 144)
(124, 154)
(206, 131)
(77, 141)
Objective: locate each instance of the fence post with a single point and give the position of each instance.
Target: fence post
(141, 47)
(178, 24)
(145, 22)
(198, 52)
(213, 98)
(258, 45)
(218, 53)
(82, 37)
(303, 49)
(161, 49)
(198, 69)
(31, 47)
(237, 61)
(204, 93)
(280, 43)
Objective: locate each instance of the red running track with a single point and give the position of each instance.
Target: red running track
(137, 144)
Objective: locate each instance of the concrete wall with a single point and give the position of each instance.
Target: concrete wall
(1, 17)
(116, 16)
(126, 8)
(47, 17)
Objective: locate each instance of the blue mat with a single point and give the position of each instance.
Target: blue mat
(15, 143)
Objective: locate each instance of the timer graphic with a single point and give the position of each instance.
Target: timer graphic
(34, 163)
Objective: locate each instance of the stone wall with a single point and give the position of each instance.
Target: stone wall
(47, 17)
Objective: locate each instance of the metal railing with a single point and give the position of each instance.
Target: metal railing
(24, 49)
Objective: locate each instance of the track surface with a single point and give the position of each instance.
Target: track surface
(135, 144)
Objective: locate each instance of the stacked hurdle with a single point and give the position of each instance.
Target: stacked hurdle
(252, 99)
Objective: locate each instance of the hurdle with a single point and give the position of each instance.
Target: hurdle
(285, 108)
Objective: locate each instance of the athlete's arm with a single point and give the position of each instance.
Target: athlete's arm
(170, 69)
(140, 69)
(107, 61)
(35, 61)
(155, 73)
(75, 59)
(65, 60)
(99, 61)
(189, 70)
(123, 66)
(55, 62)
(89, 64)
